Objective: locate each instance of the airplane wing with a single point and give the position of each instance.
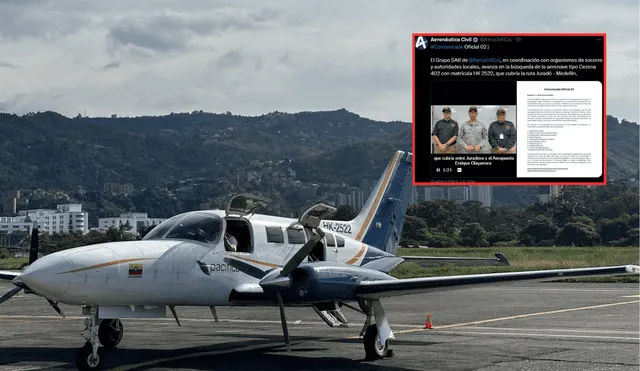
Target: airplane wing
(387, 288)
(9, 275)
(436, 261)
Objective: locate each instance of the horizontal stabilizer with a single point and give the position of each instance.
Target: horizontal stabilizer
(438, 261)
(386, 288)
(385, 264)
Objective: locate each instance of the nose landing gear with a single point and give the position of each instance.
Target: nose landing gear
(88, 360)
(90, 356)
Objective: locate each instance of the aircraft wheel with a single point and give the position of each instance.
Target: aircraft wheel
(373, 348)
(86, 361)
(110, 332)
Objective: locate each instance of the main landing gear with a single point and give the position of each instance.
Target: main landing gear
(107, 332)
(376, 343)
(110, 332)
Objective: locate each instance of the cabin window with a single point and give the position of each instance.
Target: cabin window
(340, 241)
(295, 236)
(331, 241)
(275, 234)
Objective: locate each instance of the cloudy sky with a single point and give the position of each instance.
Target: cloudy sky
(252, 57)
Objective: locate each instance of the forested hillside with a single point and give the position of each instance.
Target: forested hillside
(51, 151)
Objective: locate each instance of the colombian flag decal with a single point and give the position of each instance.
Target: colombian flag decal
(135, 269)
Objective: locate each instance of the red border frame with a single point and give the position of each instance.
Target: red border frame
(458, 184)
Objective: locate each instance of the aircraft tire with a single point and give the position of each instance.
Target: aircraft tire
(107, 335)
(85, 360)
(372, 347)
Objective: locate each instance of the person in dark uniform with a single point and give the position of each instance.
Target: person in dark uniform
(444, 133)
(502, 134)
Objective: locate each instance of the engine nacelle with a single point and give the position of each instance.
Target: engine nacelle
(326, 282)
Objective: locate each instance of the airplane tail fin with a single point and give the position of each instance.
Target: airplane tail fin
(381, 219)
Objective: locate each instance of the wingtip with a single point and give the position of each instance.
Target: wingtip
(502, 258)
(633, 269)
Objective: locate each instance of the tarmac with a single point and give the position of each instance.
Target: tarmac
(518, 326)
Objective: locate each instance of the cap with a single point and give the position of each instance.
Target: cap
(446, 109)
(501, 110)
(473, 108)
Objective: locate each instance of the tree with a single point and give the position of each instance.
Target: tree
(613, 229)
(414, 231)
(609, 209)
(562, 214)
(143, 230)
(344, 212)
(113, 235)
(440, 214)
(507, 235)
(473, 235)
(435, 238)
(474, 212)
(576, 233)
(540, 229)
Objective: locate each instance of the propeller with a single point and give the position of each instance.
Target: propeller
(277, 278)
(55, 306)
(9, 294)
(299, 256)
(33, 256)
(35, 244)
(246, 268)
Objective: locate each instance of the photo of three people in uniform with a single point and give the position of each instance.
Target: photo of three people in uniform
(472, 136)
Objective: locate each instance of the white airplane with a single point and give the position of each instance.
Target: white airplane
(190, 260)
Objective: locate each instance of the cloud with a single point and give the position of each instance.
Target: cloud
(253, 57)
(169, 30)
(111, 65)
(9, 104)
(44, 20)
(231, 59)
(7, 65)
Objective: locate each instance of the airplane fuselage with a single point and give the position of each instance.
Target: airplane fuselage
(178, 271)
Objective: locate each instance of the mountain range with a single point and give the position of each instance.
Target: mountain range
(50, 151)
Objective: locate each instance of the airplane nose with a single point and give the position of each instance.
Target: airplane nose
(46, 276)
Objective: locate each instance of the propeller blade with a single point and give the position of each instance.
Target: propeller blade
(283, 319)
(9, 294)
(56, 307)
(246, 268)
(33, 250)
(299, 256)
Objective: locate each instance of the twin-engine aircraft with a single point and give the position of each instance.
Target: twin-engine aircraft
(235, 257)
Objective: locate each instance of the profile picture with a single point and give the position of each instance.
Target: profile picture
(422, 42)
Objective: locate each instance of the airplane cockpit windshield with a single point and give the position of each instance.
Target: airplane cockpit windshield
(197, 226)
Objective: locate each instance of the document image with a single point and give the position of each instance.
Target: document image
(560, 129)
